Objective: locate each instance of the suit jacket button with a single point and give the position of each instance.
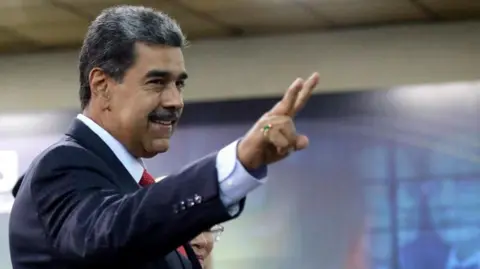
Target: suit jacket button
(190, 202)
(197, 198)
(182, 205)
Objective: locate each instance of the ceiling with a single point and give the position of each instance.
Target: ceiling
(28, 25)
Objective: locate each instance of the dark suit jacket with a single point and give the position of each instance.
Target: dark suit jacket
(78, 207)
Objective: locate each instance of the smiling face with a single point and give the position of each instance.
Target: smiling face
(143, 108)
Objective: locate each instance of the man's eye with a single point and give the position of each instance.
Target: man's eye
(180, 84)
(157, 82)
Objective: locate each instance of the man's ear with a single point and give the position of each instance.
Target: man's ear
(99, 86)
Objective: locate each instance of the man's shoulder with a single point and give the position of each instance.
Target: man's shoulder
(64, 155)
(59, 161)
(66, 150)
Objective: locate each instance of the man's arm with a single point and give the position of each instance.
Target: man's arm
(234, 180)
(87, 220)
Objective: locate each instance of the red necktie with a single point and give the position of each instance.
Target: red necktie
(146, 180)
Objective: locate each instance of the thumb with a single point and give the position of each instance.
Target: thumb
(301, 142)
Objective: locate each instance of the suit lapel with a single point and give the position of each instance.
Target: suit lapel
(87, 138)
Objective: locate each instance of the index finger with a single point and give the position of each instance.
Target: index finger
(287, 105)
(305, 93)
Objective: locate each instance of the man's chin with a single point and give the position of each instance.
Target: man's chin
(159, 145)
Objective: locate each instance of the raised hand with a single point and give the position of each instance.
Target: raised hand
(274, 135)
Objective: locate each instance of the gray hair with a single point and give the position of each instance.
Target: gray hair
(110, 41)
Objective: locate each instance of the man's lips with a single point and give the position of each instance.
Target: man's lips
(162, 129)
(163, 121)
(163, 118)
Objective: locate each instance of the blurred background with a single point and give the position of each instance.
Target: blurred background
(392, 177)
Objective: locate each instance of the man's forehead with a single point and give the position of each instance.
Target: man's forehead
(159, 57)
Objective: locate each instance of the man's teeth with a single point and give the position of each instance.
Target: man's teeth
(165, 122)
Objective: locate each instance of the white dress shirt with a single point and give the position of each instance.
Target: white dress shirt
(234, 181)
(453, 261)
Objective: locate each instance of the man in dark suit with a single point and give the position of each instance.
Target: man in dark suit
(88, 202)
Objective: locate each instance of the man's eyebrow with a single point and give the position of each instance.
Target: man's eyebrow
(162, 73)
(183, 76)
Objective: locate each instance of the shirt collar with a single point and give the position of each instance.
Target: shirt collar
(134, 166)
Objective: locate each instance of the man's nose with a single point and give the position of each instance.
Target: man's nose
(172, 98)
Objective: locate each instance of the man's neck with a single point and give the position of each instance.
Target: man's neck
(134, 165)
(95, 117)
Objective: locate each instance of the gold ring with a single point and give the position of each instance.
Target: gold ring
(266, 128)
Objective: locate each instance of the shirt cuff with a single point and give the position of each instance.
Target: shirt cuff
(234, 180)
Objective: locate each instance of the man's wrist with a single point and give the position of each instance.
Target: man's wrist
(250, 159)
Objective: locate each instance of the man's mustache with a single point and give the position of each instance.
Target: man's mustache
(164, 114)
